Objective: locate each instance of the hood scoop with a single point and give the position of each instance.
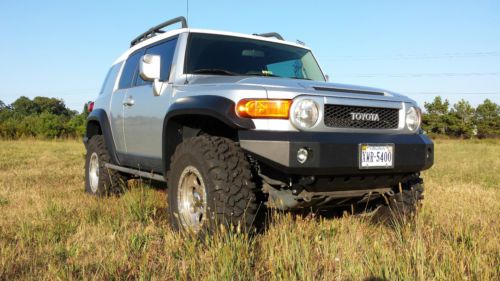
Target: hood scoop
(350, 91)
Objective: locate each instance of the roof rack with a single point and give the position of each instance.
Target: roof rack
(153, 31)
(271, 34)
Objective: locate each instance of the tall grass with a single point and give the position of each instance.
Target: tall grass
(50, 229)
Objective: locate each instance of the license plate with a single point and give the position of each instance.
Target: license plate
(376, 156)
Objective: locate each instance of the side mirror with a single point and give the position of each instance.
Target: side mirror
(150, 69)
(327, 77)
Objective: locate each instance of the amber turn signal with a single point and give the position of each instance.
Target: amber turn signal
(264, 108)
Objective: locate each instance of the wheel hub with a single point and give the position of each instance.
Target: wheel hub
(94, 172)
(192, 199)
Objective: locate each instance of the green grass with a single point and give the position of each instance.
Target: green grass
(51, 230)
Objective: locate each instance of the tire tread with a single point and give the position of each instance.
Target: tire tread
(234, 191)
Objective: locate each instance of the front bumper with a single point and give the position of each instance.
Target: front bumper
(335, 154)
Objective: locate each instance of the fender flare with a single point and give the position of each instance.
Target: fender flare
(218, 107)
(99, 116)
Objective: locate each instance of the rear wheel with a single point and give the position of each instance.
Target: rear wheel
(210, 183)
(100, 180)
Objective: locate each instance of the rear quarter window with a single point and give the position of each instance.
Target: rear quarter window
(109, 82)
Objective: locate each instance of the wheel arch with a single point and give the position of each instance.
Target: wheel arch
(191, 116)
(98, 124)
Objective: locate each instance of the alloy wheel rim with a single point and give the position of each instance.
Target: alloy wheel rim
(192, 199)
(94, 172)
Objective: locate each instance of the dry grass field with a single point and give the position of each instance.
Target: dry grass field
(51, 230)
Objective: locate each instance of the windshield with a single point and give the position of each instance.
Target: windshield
(228, 55)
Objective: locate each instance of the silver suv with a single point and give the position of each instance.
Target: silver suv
(236, 124)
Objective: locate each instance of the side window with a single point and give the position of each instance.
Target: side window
(109, 82)
(166, 51)
(129, 71)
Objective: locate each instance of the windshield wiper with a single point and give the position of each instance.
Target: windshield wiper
(300, 78)
(272, 75)
(262, 74)
(215, 71)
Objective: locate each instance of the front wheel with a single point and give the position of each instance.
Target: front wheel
(210, 183)
(403, 205)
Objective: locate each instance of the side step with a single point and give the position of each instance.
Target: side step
(142, 174)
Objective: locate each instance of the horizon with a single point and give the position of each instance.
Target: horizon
(421, 50)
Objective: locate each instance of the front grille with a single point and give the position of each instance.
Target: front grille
(340, 116)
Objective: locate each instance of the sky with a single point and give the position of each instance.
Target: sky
(420, 48)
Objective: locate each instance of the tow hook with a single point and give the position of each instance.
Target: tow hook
(303, 183)
(389, 194)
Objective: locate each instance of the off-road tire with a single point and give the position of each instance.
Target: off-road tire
(109, 182)
(230, 189)
(403, 206)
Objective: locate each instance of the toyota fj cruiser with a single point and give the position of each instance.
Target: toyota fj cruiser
(239, 123)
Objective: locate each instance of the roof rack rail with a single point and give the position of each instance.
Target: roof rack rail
(153, 31)
(271, 34)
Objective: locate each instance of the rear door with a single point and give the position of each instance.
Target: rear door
(118, 104)
(143, 121)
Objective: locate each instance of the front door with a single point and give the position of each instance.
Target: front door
(144, 116)
(143, 126)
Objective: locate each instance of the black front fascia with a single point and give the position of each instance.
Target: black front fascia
(335, 153)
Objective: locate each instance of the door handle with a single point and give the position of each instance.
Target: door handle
(129, 101)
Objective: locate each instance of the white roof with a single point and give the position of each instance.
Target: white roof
(170, 33)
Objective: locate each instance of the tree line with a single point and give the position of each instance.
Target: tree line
(461, 120)
(49, 118)
(40, 117)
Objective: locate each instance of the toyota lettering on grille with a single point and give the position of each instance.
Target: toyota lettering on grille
(357, 116)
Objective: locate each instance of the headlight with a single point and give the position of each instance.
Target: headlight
(413, 119)
(306, 113)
